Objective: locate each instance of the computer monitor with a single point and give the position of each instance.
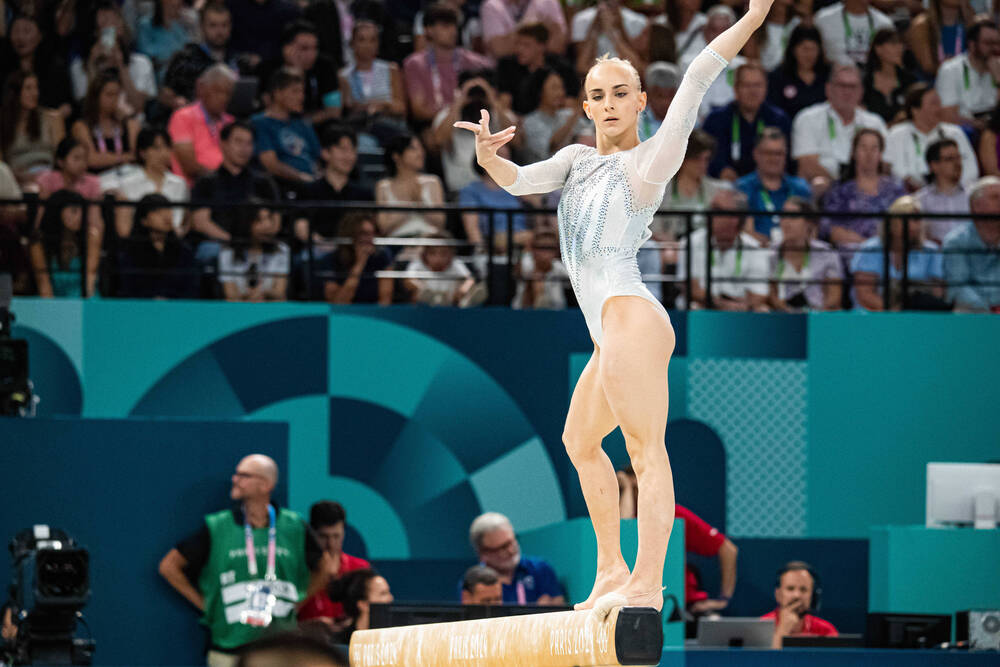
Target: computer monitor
(416, 613)
(814, 641)
(963, 493)
(908, 630)
(736, 631)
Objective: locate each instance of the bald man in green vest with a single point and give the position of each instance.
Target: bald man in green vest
(248, 567)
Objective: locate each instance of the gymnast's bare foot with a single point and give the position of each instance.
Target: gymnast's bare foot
(606, 582)
(639, 594)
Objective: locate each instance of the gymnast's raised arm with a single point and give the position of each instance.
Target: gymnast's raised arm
(658, 158)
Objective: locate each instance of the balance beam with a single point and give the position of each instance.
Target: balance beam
(629, 636)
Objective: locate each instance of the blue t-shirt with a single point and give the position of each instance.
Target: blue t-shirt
(751, 186)
(924, 264)
(534, 577)
(293, 140)
(719, 124)
(477, 194)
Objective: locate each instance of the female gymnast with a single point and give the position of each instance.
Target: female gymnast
(609, 196)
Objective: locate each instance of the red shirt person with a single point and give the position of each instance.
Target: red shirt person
(796, 593)
(328, 521)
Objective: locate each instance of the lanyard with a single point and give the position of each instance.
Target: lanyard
(436, 75)
(272, 544)
(676, 196)
(522, 594)
(831, 127)
(116, 137)
(738, 269)
(213, 126)
(645, 123)
(965, 73)
(848, 33)
(735, 149)
(959, 34)
(765, 198)
(781, 265)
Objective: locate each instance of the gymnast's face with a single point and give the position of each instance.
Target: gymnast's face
(614, 100)
(499, 549)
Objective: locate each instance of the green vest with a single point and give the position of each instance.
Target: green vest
(225, 576)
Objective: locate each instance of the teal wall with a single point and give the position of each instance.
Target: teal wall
(418, 418)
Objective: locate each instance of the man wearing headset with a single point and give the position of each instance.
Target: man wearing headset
(797, 592)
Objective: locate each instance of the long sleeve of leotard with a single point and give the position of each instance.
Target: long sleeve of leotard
(544, 176)
(657, 159)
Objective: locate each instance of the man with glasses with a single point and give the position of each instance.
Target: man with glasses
(248, 567)
(967, 83)
(822, 133)
(525, 580)
(769, 186)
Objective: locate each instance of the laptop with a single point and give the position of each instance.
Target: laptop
(735, 631)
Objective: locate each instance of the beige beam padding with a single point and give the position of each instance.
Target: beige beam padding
(629, 636)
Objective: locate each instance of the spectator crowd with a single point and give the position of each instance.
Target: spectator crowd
(262, 150)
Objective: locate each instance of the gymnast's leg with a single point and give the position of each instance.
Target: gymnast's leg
(588, 421)
(638, 342)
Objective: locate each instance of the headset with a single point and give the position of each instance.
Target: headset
(817, 593)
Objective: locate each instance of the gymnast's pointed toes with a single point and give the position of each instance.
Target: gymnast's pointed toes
(605, 604)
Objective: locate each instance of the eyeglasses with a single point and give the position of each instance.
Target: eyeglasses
(498, 549)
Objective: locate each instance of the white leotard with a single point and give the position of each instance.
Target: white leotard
(608, 201)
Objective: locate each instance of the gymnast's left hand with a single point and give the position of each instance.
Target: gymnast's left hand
(487, 144)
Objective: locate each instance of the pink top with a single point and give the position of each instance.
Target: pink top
(500, 17)
(88, 185)
(431, 79)
(191, 124)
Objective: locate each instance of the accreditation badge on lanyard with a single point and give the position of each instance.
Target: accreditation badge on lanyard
(260, 594)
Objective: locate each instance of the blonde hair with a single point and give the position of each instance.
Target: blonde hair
(903, 206)
(608, 58)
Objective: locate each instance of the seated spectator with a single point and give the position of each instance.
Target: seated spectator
(108, 135)
(801, 256)
(195, 128)
(470, 28)
(254, 27)
(769, 186)
(28, 133)
(694, 41)
(886, 79)
(796, 591)
(945, 192)
(517, 73)
(661, 80)
(720, 93)
(553, 123)
(691, 189)
(13, 219)
(923, 264)
(254, 266)
(233, 181)
(938, 33)
(737, 126)
(782, 19)
(57, 252)
(686, 19)
(848, 27)
(111, 50)
(328, 521)
(525, 580)
(907, 143)
(823, 134)
(290, 649)
(28, 52)
(542, 278)
(322, 101)
(972, 252)
(866, 188)
(457, 146)
(486, 193)
(356, 591)
(610, 28)
(699, 538)
(163, 34)
(372, 90)
(437, 277)
(501, 17)
(408, 185)
(155, 264)
(340, 155)
(347, 275)
(286, 143)
(153, 148)
(967, 82)
(431, 75)
(191, 61)
(801, 79)
(740, 268)
(989, 147)
(481, 585)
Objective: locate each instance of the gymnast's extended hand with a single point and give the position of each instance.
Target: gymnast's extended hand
(500, 170)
